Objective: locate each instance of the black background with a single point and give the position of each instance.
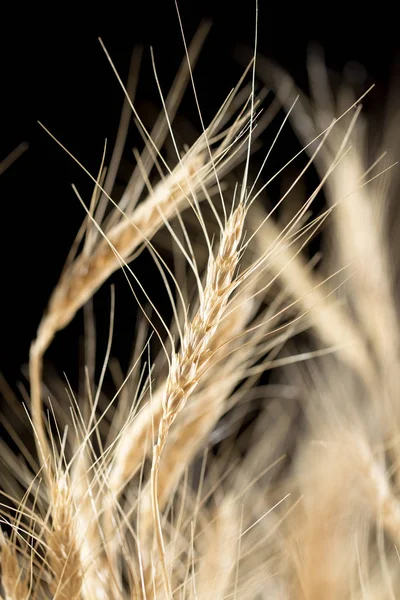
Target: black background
(54, 70)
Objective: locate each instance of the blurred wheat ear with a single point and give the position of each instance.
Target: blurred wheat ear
(203, 475)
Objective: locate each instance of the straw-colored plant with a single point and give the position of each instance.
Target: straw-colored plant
(205, 476)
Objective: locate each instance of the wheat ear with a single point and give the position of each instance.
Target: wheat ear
(331, 322)
(89, 536)
(15, 585)
(220, 543)
(63, 553)
(358, 227)
(188, 365)
(88, 273)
